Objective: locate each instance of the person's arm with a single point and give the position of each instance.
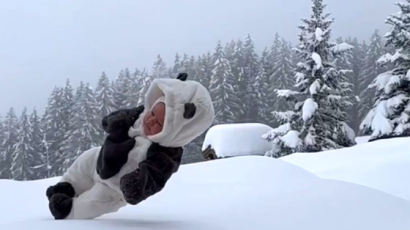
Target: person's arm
(152, 174)
(121, 120)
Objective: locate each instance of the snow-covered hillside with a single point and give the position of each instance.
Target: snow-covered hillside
(236, 193)
(383, 165)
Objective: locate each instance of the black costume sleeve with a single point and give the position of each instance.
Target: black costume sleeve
(114, 151)
(152, 174)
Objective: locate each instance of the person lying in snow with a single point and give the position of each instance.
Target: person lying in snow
(141, 152)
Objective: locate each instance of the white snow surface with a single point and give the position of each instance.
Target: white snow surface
(382, 164)
(308, 109)
(238, 193)
(251, 192)
(362, 139)
(238, 139)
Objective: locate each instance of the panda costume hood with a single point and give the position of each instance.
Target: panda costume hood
(188, 111)
(131, 166)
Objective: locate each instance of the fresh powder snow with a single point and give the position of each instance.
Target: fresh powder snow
(240, 193)
(382, 164)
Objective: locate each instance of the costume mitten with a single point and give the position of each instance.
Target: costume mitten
(61, 187)
(152, 173)
(60, 205)
(133, 186)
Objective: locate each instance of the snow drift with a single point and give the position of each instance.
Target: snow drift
(382, 164)
(237, 193)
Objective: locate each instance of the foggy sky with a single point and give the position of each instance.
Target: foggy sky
(44, 42)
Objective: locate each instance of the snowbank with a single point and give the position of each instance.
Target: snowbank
(382, 165)
(236, 193)
(237, 139)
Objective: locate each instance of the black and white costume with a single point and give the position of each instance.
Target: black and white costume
(130, 168)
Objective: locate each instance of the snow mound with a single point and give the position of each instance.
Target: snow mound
(236, 193)
(382, 165)
(237, 139)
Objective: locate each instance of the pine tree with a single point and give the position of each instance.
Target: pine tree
(22, 155)
(104, 96)
(121, 89)
(247, 89)
(2, 138)
(144, 80)
(372, 69)
(352, 61)
(177, 66)
(318, 119)
(282, 76)
(222, 91)
(390, 115)
(105, 101)
(265, 93)
(205, 69)
(159, 69)
(38, 162)
(85, 122)
(11, 127)
(55, 130)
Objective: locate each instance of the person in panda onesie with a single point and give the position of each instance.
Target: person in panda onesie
(141, 152)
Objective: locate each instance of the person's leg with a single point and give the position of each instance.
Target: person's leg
(99, 200)
(79, 177)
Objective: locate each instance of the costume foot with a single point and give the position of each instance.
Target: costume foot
(61, 187)
(60, 205)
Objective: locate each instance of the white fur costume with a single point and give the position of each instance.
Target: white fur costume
(95, 196)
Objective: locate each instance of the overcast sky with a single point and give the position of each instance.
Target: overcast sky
(44, 42)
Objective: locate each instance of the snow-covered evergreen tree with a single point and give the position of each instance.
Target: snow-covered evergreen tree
(223, 95)
(318, 119)
(21, 168)
(372, 69)
(159, 69)
(177, 66)
(265, 91)
(205, 69)
(38, 162)
(55, 130)
(390, 115)
(2, 138)
(104, 96)
(282, 76)
(352, 61)
(85, 122)
(247, 89)
(11, 127)
(121, 89)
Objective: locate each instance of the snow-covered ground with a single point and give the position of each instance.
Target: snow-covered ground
(250, 192)
(382, 164)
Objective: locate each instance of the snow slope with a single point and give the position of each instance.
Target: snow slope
(236, 193)
(382, 164)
